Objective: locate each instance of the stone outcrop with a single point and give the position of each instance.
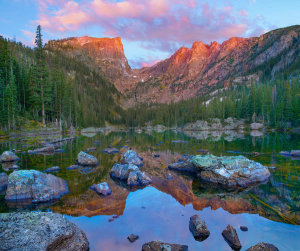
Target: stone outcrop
(163, 246)
(40, 231)
(198, 228)
(85, 159)
(34, 186)
(8, 156)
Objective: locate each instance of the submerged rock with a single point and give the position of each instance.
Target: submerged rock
(231, 237)
(3, 181)
(8, 156)
(46, 149)
(131, 157)
(163, 246)
(85, 159)
(52, 169)
(110, 150)
(40, 231)
(244, 228)
(101, 188)
(73, 167)
(262, 246)
(138, 178)
(35, 186)
(198, 228)
(230, 171)
(132, 238)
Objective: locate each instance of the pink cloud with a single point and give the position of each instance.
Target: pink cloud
(158, 24)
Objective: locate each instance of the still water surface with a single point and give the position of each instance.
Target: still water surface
(161, 211)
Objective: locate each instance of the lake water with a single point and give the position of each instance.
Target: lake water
(161, 210)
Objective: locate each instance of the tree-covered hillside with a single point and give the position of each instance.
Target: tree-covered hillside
(46, 86)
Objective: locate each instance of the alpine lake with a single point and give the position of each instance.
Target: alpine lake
(161, 210)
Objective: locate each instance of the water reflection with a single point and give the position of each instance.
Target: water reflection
(155, 212)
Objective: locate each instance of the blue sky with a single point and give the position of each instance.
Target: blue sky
(150, 30)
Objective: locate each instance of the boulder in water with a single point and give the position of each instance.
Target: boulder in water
(49, 148)
(230, 171)
(8, 156)
(35, 186)
(131, 157)
(163, 246)
(231, 237)
(138, 178)
(101, 188)
(85, 159)
(40, 231)
(256, 126)
(262, 246)
(52, 169)
(132, 237)
(198, 228)
(295, 153)
(121, 171)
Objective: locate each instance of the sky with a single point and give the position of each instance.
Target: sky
(150, 30)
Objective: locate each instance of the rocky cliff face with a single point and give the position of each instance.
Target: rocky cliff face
(189, 72)
(103, 54)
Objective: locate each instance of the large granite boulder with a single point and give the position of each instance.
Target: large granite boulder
(183, 166)
(231, 237)
(101, 188)
(34, 186)
(8, 156)
(3, 182)
(262, 246)
(230, 171)
(198, 228)
(85, 159)
(40, 231)
(131, 157)
(163, 246)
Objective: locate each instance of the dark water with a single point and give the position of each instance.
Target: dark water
(161, 211)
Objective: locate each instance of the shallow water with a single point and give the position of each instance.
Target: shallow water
(161, 211)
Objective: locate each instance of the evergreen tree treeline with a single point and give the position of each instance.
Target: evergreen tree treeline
(47, 86)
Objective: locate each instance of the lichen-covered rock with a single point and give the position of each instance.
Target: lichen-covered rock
(101, 188)
(40, 231)
(138, 178)
(35, 186)
(121, 171)
(131, 157)
(85, 159)
(163, 246)
(3, 181)
(8, 156)
(231, 237)
(230, 171)
(198, 228)
(262, 246)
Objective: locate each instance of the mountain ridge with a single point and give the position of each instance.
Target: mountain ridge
(189, 72)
